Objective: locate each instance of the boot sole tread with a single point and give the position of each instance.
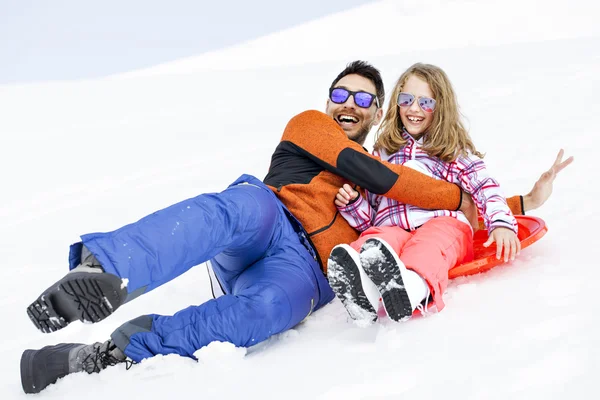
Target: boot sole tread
(349, 290)
(382, 273)
(88, 297)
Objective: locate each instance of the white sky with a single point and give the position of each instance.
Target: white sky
(70, 39)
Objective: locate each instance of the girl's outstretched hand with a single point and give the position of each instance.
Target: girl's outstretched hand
(507, 241)
(345, 195)
(543, 187)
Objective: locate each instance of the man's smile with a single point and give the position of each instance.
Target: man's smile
(346, 120)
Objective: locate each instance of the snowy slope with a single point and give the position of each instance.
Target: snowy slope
(83, 156)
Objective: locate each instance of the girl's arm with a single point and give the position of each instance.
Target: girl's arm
(354, 208)
(486, 193)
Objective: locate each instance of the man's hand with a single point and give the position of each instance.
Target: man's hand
(467, 206)
(345, 195)
(543, 187)
(507, 241)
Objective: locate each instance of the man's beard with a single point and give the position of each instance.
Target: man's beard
(361, 135)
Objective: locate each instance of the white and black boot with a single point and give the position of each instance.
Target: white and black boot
(43, 367)
(402, 290)
(357, 294)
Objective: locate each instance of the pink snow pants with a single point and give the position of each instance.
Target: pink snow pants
(431, 251)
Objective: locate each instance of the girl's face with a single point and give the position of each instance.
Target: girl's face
(415, 120)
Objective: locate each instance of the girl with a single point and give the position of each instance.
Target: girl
(404, 252)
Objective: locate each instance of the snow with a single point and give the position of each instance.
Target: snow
(93, 155)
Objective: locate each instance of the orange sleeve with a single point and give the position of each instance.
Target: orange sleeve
(516, 205)
(320, 138)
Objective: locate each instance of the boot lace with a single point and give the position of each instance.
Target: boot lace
(102, 357)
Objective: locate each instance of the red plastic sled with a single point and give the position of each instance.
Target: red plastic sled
(531, 229)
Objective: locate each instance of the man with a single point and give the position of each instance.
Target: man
(267, 242)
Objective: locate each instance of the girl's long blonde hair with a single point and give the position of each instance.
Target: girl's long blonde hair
(447, 137)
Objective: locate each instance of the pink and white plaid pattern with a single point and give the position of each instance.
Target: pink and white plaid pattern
(469, 173)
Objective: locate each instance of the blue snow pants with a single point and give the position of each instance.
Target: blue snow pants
(258, 251)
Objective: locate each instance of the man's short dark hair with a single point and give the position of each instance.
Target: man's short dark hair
(367, 71)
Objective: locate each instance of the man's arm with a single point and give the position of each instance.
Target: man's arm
(320, 138)
(515, 204)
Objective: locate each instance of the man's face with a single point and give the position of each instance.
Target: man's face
(354, 120)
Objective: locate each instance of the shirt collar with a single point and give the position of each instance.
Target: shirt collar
(410, 139)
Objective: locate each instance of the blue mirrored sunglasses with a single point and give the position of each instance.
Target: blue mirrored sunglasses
(362, 99)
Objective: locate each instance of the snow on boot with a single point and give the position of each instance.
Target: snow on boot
(40, 368)
(86, 293)
(343, 273)
(402, 290)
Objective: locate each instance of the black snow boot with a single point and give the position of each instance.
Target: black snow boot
(344, 278)
(384, 268)
(40, 368)
(86, 293)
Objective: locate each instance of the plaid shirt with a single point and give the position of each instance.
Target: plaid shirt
(469, 173)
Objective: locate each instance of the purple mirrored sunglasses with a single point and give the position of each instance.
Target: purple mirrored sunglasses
(362, 99)
(427, 104)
